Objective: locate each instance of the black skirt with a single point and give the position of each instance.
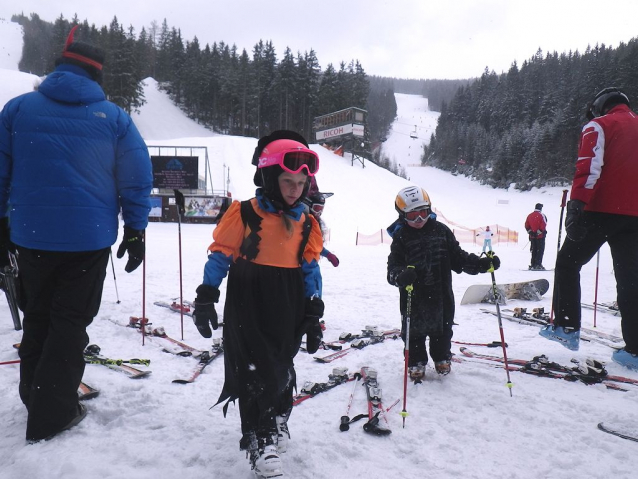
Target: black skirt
(263, 313)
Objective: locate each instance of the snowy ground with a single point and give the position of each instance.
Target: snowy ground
(463, 425)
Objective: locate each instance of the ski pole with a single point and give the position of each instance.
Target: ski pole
(563, 203)
(406, 352)
(117, 295)
(15, 361)
(596, 287)
(493, 344)
(497, 297)
(181, 208)
(345, 420)
(143, 330)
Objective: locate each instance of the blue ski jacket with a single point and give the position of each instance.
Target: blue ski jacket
(69, 161)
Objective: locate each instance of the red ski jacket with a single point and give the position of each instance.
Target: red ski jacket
(607, 167)
(535, 222)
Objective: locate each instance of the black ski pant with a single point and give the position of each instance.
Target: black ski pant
(621, 233)
(60, 294)
(440, 345)
(537, 247)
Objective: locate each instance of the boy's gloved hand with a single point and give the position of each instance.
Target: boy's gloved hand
(205, 315)
(486, 262)
(406, 277)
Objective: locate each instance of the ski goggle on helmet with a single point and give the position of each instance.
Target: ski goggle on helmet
(414, 204)
(291, 155)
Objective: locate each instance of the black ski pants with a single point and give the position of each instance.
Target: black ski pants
(60, 294)
(537, 247)
(621, 233)
(440, 345)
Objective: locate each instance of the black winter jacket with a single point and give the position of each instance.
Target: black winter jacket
(435, 253)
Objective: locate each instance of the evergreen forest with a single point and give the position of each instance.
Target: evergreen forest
(523, 126)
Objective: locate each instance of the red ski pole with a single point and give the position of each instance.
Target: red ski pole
(596, 287)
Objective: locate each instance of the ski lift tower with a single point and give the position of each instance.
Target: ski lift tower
(346, 129)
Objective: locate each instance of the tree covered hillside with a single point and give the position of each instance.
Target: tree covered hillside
(523, 126)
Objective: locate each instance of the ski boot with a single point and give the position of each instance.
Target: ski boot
(417, 373)
(625, 359)
(443, 367)
(265, 460)
(283, 434)
(568, 337)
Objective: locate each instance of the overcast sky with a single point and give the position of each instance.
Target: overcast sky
(400, 38)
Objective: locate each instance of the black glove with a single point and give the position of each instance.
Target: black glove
(5, 242)
(133, 241)
(406, 277)
(574, 226)
(312, 327)
(205, 313)
(485, 263)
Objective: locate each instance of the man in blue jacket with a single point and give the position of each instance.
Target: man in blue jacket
(69, 162)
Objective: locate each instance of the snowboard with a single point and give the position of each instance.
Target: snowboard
(620, 430)
(528, 290)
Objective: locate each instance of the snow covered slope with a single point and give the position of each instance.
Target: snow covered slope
(462, 425)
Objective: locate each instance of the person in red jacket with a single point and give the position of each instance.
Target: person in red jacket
(536, 226)
(603, 208)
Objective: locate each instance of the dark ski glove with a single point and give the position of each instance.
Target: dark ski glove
(312, 326)
(205, 315)
(574, 226)
(5, 242)
(333, 259)
(406, 277)
(485, 263)
(133, 242)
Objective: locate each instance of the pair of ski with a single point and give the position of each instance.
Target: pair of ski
(590, 372)
(587, 334)
(340, 376)
(179, 348)
(611, 308)
(92, 356)
(377, 423)
(370, 335)
(85, 391)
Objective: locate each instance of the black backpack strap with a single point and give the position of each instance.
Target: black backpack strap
(250, 246)
(305, 234)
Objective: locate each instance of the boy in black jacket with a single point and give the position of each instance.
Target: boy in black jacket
(418, 240)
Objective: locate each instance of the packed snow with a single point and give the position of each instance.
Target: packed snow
(461, 425)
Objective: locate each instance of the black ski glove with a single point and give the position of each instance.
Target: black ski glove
(205, 315)
(133, 241)
(574, 224)
(5, 242)
(485, 263)
(312, 327)
(406, 277)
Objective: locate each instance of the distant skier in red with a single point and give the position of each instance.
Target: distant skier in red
(536, 226)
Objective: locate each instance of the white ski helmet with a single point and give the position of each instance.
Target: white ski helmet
(411, 198)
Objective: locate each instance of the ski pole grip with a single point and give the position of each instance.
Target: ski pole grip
(564, 200)
(409, 287)
(345, 423)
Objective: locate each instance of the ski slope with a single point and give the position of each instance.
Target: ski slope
(462, 425)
